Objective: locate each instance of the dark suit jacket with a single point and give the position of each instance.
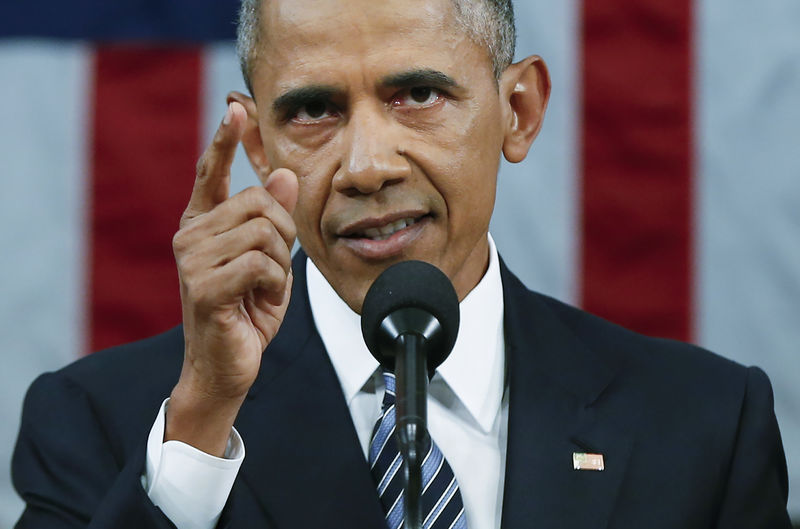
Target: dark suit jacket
(689, 439)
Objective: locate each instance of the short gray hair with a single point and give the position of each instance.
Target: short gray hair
(490, 23)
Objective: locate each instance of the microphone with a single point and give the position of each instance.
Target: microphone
(409, 320)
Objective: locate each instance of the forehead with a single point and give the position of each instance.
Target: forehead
(328, 38)
(327, 21)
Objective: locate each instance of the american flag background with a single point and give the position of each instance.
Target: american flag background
(663, 192)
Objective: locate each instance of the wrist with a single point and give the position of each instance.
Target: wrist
(201, 419)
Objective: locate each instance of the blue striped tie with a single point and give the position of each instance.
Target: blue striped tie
(442, 507)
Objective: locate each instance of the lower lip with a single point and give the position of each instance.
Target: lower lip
(390, 247)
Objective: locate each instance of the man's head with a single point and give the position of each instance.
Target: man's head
(393, 118)
(489, 23)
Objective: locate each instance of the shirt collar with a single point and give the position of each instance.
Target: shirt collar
(474, 371)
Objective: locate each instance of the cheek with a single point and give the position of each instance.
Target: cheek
(311, 200)
(471, 135)
(313, 168)
(302, 158)
(469, 191)
(467, 160)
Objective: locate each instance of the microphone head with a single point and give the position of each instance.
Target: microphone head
(410, 285)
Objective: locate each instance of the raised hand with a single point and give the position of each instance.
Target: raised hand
(234, 262)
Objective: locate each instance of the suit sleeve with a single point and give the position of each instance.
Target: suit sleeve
(65, 470)
(757, 487)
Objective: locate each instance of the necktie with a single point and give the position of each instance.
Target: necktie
(442, 507)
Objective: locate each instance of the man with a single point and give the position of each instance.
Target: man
(376, 129)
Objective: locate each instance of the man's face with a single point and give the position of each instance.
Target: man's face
(390, 117)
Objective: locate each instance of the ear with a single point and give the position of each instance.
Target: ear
(525, 90)
(251, 138)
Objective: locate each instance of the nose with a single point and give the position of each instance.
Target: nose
(371, 157)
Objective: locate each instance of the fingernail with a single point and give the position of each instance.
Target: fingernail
(228, 115)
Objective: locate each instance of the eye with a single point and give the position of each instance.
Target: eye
(419, 97)
(312, 111)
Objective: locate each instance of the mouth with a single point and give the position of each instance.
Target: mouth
(380, 232)
(384, 237)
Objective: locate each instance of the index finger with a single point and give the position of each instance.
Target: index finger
(212, 183)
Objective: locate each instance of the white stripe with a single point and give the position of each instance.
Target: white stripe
(392, 514)
(432, 516)
(458, 517)
(435, 472)
(43, 101)
(389, 474)
(748, 251)
(386, 439)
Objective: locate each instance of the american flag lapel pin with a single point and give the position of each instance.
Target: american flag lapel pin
(584, 461)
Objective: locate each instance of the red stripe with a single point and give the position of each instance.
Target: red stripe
(637, 158)
(146, 130)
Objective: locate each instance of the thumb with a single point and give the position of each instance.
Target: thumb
(282, 185)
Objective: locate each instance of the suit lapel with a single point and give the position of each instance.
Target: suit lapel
(304, 461)
(556, 389)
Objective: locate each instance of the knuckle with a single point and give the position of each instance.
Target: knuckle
(220, 141)
(255, 262)
(179, 242)
(254, 196)
(257, 199)
(273, 278)
(185, 218)
(261, 204)
(262, 223)
(202, 166)
(291, 231)
(194, 291)
(263, 229)
(275, 274)
(187, 235)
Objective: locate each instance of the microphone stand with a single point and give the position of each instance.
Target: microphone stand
(411, 378)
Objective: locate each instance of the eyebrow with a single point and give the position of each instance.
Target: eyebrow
(298, 97)
(423, 77)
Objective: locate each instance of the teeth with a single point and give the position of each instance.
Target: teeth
(372, 233)
(384, 232)
(393, 227)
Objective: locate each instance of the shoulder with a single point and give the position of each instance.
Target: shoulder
(649, 371)
(703, 414)
(624, 347)
(683, 372)
(144, 363)
(120, 388)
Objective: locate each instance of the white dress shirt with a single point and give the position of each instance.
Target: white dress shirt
(467, 410)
